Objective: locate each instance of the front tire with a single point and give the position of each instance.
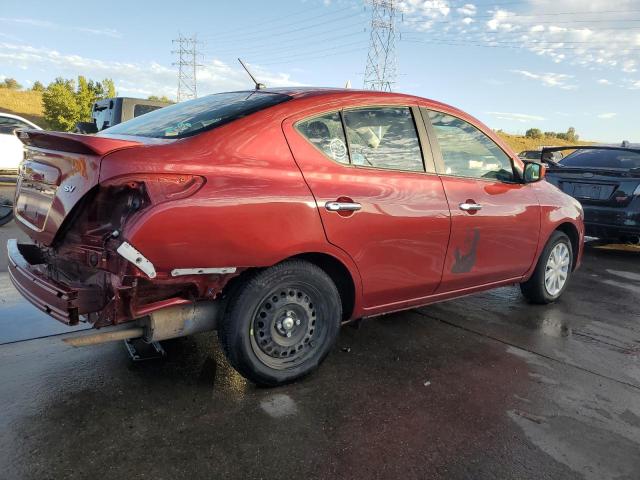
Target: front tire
(551, 276)
(281, 323)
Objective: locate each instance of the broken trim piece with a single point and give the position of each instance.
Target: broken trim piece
(178, 272)
(127, 251)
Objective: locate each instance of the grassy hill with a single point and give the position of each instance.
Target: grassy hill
(26, 103)
(519, 143)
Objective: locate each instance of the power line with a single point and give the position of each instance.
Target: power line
(380, 72)
(187, 66)
(266, 31)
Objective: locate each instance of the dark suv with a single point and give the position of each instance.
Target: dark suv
(606, 181)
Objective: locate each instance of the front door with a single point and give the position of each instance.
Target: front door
(376, 200)
(495, 219)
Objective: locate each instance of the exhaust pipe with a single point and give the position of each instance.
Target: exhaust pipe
(171, 322)
(104, 337)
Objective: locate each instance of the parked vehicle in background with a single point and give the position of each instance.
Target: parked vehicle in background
(536, 155)
(11, 154)
(11, 148)
(275, 215)
(112, 111)
(606, 181)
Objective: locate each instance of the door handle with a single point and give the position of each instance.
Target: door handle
(342, 206)
(470, 207)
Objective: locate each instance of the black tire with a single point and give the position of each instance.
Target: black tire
(534, 289)
(6, 213)
(294, 298)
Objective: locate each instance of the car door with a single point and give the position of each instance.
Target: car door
(495, 218)
(376, 199)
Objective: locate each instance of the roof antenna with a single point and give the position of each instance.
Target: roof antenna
(259, 86)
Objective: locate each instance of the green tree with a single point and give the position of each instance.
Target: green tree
(61, 109)
(11, 84)
(550, 134)
(157, 98)
(37, 86)
(571, 135)
(533, 133)
(109, 88)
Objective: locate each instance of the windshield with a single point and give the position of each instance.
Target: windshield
(194, 116)
(618, 159)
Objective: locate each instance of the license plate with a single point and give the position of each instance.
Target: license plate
(587, 191)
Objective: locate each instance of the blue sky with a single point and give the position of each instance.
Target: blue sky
(514, 64)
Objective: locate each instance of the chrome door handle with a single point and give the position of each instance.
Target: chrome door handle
(470, 207)
(342, 206)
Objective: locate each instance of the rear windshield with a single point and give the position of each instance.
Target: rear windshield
(194, 116)
(618, 159)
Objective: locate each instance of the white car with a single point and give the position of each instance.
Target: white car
(11, 152)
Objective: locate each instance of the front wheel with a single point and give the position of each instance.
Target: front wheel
(281, 323)
(552, 272)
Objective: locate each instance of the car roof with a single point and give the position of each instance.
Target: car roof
(18, 117)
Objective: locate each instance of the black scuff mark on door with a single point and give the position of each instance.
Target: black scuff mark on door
(465, 261)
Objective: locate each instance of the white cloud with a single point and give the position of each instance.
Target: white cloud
(516, 117)
(429, 9)
(634, 84)
(607, 116)
(604, 81)
(467, 10)
(573, 32)
(549, 79)
(137, 78)
(34, 22)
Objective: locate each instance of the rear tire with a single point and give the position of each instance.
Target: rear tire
(281, 323)
(551, 276)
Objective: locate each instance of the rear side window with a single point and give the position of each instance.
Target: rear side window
(467, 152)
(195, 116)
(383, 137)
(326, 134)
(617, 159)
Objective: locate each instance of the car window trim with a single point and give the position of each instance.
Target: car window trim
(437, 152)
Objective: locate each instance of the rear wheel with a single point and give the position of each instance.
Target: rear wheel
(281, 323)
(552, 272)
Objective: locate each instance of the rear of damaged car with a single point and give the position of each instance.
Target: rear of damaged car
(129, 227)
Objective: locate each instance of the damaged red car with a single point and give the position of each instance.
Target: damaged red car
(275, 215)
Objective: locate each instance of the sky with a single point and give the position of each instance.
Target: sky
(514, 64)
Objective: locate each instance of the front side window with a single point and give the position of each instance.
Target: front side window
(467, 152)
(383, 137)
(326, 134)
(195, 116)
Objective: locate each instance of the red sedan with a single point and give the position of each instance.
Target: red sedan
(275, 215)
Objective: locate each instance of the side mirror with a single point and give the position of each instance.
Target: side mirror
(533, 172)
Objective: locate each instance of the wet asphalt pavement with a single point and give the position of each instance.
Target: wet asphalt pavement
(478, 388)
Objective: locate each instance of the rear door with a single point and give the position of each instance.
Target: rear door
(495, 219)
(377, 200)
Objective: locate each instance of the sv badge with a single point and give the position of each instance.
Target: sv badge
(68, 188)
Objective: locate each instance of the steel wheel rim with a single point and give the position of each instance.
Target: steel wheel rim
(557, 269)
(285, 329)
